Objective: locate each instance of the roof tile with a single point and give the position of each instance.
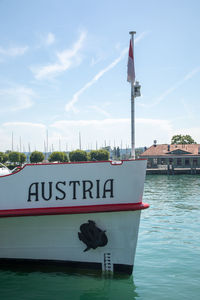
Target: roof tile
(193, 149)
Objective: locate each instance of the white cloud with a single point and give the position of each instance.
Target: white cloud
(24, 133)
(91, 131)
(66, 132)
(13, 51)
(148, 130)
(83, 123)
(50, 39)
(113, 131)
(24, 124)
(65, 60)
(15, 99)
(70, 105)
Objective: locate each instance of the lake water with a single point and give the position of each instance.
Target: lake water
(167, 262)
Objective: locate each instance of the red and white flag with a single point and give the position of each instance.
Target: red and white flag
(131, 67)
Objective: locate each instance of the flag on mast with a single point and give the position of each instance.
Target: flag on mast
(131, 67)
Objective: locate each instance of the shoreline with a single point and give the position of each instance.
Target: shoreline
(173, 171)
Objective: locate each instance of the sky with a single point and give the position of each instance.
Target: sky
(63, 73)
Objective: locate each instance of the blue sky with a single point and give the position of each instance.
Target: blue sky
(64, 68)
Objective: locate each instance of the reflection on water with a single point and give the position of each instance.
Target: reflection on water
(65, 285)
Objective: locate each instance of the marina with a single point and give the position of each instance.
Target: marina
(99, 150)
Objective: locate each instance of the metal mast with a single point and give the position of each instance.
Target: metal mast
(132, 106)
(135, 92)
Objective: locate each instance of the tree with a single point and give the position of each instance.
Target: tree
(78, 155)
(182, 139)
(3, 157)
(22, 158)
(14, 157)
(58, 156)
(99, 155)
(36, 157)
(65, 157)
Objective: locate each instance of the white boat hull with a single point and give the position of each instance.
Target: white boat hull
(34, 228)
(56, 238)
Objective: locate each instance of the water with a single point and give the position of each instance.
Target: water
(167, 259)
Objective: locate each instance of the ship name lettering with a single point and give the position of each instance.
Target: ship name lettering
(74, 189)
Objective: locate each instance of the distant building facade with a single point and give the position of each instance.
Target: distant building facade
(176, 155)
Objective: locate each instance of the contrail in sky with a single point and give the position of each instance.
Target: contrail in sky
(171, 89)
(70, 105)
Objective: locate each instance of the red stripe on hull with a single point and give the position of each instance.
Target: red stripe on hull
(72, 209)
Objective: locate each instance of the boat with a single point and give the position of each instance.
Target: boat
(83, 214)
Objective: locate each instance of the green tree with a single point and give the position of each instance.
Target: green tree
(138, 152)
(5, 158)
(182, 139)
(78, 155)
(22, 158)
(99, 155)
(14, 157)
(8, 151)
(2, 157)
(36, 156)
(58, 156)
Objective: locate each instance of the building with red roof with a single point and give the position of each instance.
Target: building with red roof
(176, 155)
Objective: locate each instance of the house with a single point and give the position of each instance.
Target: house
(176, 155)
